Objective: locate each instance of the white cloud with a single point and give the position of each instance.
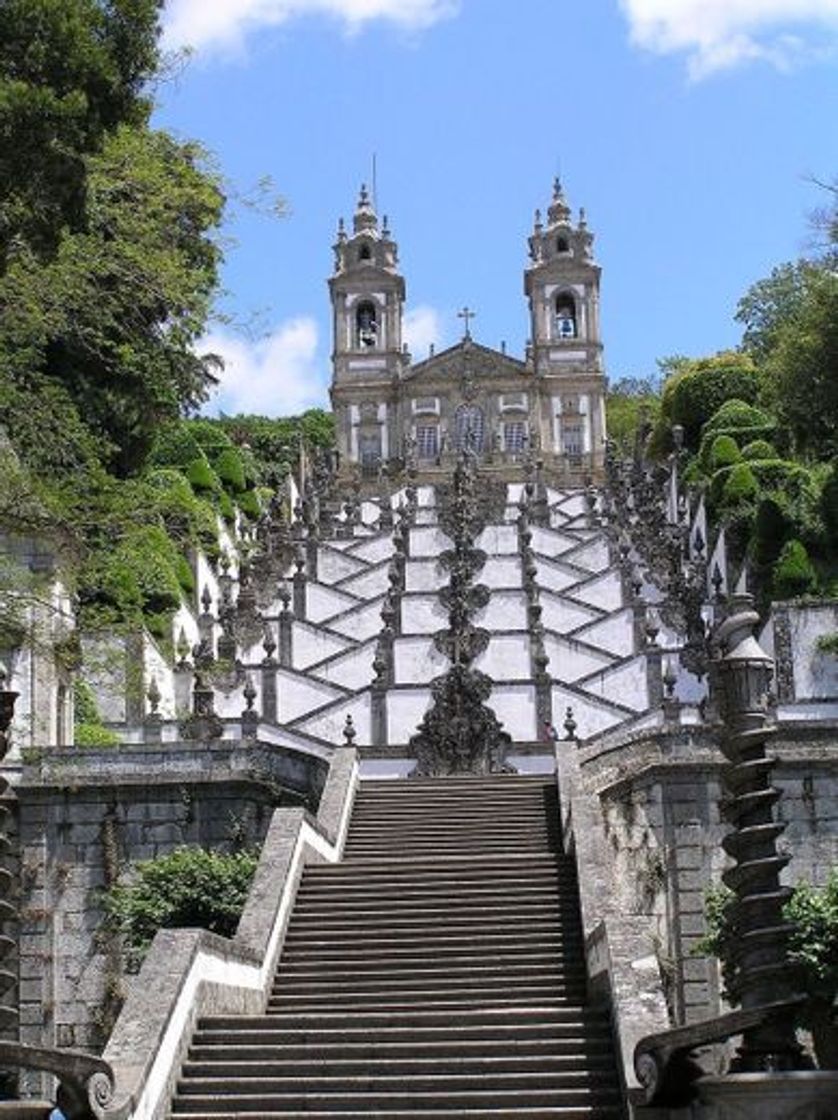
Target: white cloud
(225, 23)
(277, 375)
(718, 34)
(421, 329)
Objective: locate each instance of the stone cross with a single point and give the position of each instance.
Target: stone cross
(467, 314)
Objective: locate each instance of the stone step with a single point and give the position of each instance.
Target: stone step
(453, 999)
(476, 962)
(559, 1112)
(363, 1102)
(482, 887)
(570, 1066)
(485, 1081)
(584, 1046)
(494, 917)
(335, 943)
(430, 981)
(347, 909)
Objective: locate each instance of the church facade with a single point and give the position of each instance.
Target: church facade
(548, 404)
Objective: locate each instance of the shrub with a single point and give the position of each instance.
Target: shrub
(185, 575)
(829, 504)
(189, 887)
(736, 415)
(94, 735)
(210, 436)
(794, 574)
(201, 475)
(174, 446)
(724, 452)
(85, 708)
(226, 507)
(770, 531)
(248, 503)
(740, 485)
(698, 389)
(230, 469)
(759, 449)
(813, 948)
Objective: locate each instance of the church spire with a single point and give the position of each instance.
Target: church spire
(559, 211)
(366, 219)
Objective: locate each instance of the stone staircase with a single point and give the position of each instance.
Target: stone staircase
(437, 972)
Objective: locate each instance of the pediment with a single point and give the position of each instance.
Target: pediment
(466, 361)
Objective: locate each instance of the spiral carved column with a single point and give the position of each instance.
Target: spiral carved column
(762, 975)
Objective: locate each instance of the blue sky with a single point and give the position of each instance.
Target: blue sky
(687, 128)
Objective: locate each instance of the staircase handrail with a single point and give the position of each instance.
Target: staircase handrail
(83, 1078)
(189, 973)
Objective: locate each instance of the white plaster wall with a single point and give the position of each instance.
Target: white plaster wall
(351, 670)
(569, 660)
(333, 565)
(591, 715)
(614, 634)
(184, 619)
(563, 616)
(417, 660)
(324, 602)
(499, 540)
(506, 610)
(501, 571)
(815, 673)
(298, 695)
(424, 575)
(552, 542)
(428, 541)
(514, 705)
(605, 592)
(311, 645)
(422, 614)
(553, 575)
(155, 665)
(104, 671)
(375, 549)
(426, 497)
(360, 623)
(369, 583)
(593, 555)
(506, 658)
(570, 504)
(628, 684)
(405, 709)
(329, 725)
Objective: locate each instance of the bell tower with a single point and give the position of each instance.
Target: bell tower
(562, 286)
(367, 292)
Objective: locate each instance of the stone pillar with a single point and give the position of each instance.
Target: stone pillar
(269, 697)
(299, 582)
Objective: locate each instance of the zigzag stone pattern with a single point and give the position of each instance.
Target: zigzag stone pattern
(362, 639)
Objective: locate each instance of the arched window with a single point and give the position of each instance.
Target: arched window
(562, 245)
(564, 317)
(365, 253)
(366, 326)
(469, 428)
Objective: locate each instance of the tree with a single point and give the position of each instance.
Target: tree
(114, 316)
(71, 71)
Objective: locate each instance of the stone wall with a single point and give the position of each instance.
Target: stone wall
(655, 798)
(82, 815)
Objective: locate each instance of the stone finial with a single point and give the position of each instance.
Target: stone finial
(206, 599)
(182, 649)
(365, 220)
(269, 643)
(249, 693)
(349, 731)
(570, 726)
(670, 679)
(284, 595)
(153, 696)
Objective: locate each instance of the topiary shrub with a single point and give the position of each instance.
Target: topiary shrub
(740, 485)
(249, 504)
(226, 507)
(771, 528)
(94, 735)
(759, 449)
(724, 452)
(737, 415)
(185, 575)
(210, 436)
(189, 887)
(794, 575)
(202, 477)
(230, 469)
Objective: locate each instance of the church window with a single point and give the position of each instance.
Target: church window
(365, 253)
(366, 326)
(562, 245)
(573, 440)
(369, 452)
(427, 441)
(564, 318)
(514, 436)
(426, 404)
(469, 428)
